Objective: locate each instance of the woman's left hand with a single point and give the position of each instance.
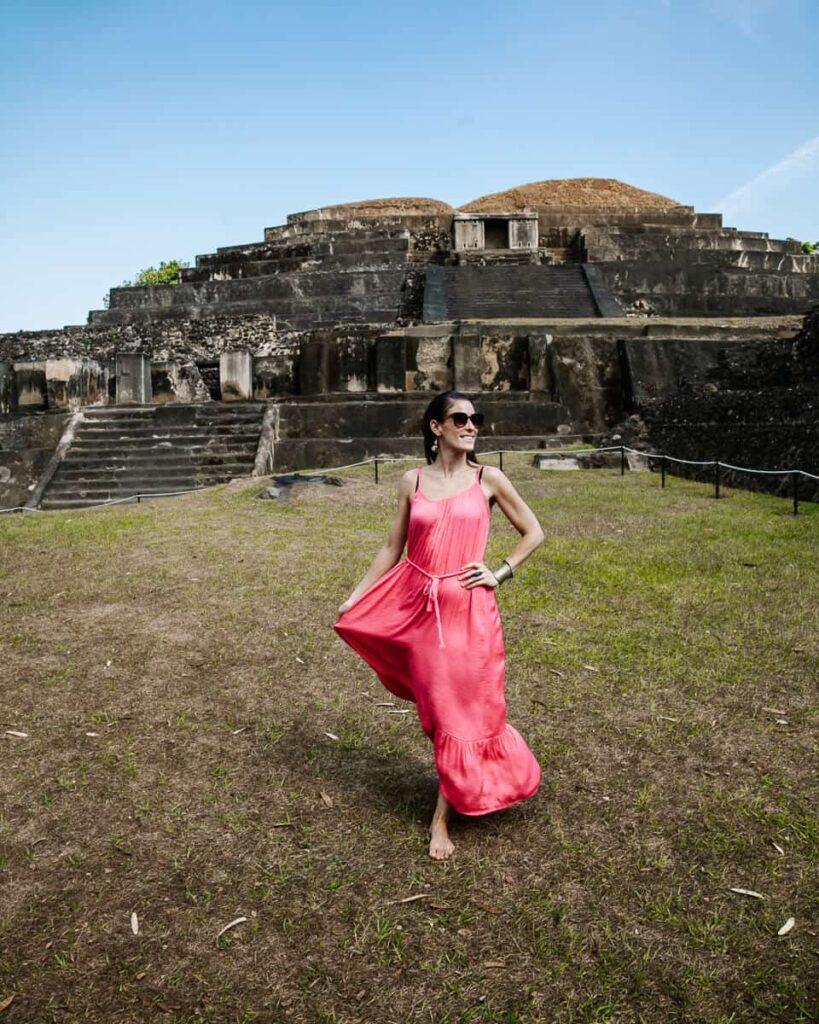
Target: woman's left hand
(476, 574)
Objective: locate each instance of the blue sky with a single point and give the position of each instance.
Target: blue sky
(138, 132)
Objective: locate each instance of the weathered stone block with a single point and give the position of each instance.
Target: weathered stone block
(274, 375)
(8, 388)
(468, 234)
(27, 444)
(318, 366)
(133, 373)
(588, 381)
(353, 364)
(433, 363)
(539, 377)
(32, 394)
(390, 363)
(504, 363)
(236, 376)
(466, 362)
(177, 381)
(523, 232)
(73, 383)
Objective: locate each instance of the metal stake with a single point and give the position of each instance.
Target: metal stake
(662, 471)
(375, 463)
(622, 460)
(716, 480)
(795, 486)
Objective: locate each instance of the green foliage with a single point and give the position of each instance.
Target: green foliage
(165, 273)
(807, 247)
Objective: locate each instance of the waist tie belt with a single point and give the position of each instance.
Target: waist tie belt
(431, 594)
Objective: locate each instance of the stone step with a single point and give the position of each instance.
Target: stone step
(94, 466)
(473, 292)
(310, 286)
(235, 270)
(193, 474)
(327, 453)
(105, 469)
(108, 462)
(299, 315)
(334, 417)
(66, 503)
(158, 450)
(106, 487)
(129, 445)
(203, 442)
(308, 246)
(129, 478)
(147, 429)
(173, 409)
(583, 216)
(128, 424)
(297, 228)
(660, 239)
(101, 487)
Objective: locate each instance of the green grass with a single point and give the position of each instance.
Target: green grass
(652, 642)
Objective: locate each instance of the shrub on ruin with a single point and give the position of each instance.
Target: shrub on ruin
(165, 273)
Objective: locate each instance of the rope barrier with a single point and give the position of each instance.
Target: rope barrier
(766, 472)
(383, 459)
(108, 502)
(717, 462)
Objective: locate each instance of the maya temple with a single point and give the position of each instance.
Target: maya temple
(564, 308)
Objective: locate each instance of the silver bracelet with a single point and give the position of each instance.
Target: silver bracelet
(504, 572)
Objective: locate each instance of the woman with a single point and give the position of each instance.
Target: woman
(429, 625)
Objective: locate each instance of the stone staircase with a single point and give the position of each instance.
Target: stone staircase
(485, 293)
(331, 273)
(120, 451)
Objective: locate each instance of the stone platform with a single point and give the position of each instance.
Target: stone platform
(563, 316)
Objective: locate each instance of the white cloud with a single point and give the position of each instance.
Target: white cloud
(783, 194)
(803, 158)
(742, 14)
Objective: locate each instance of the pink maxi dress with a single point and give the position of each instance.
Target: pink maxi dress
(434, 642)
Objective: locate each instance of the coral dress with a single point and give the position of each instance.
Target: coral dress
(432, 641)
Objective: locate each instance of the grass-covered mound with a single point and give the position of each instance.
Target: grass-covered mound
(596, 193)
(200, 747)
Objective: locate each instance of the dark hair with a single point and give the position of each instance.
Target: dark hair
(437, 410)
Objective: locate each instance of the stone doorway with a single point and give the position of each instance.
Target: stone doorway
(496, 233)
(210, 378)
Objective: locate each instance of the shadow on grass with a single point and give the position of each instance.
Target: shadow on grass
(397, 785)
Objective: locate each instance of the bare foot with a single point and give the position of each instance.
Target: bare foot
(441, 846)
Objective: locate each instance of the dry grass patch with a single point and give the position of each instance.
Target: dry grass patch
(176, 674)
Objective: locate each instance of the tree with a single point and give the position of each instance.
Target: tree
(807, 247)
(165, 273)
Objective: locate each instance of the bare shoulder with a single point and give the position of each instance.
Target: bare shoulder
(497, 481)
(407, 482)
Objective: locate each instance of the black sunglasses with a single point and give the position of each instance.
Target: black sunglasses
(460, 419)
